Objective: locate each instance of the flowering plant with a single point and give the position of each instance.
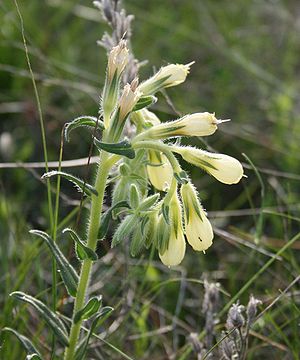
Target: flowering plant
(153, 199)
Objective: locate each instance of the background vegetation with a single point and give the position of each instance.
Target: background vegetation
(247, 69)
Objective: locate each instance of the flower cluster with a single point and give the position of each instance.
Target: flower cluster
(174, 213)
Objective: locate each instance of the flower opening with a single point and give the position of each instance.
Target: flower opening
(198, 229)
(224, 168)
(175, 251)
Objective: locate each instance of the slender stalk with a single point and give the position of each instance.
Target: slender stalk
(155, 145)
(94, 222)
(54, 235)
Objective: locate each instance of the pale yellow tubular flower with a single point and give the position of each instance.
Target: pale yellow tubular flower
(198, 229)
(117, 60)
(198, 124)
(224, 168)
(175, 252)
(159, 170)
(167, 76)
(129, 98)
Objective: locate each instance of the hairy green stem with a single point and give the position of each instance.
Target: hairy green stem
(94, 222)
(166, 149)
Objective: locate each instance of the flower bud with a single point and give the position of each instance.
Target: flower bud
(129, 98)
(198, 229)
(224, 168)
(159, 170)
(199, 124)
(167, 76)
(175, 251)
(117, 60)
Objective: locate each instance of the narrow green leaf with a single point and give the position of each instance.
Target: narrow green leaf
(49, 316)
(144, 225)
(137, 241)
(124, 230)
(80, 184)
(107, 216)
(149, 202)
(89, 309)
(67, 272)
(102, 315)
(134, 197)
(123, 148)
(150, 230)
(124, 169)
(86, 121)
(145, 101)
(82, 251)
(32, 352)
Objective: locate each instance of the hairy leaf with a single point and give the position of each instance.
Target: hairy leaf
(125, 229)
(86, 121)
(102, 315)
(149, 202)
(134, 197)
(80, 184)
(82, 251)
(89, 309)
(137, 241)
(67, 272)
(49, 316)
(123, 148)
(32, 352)
(107, 216)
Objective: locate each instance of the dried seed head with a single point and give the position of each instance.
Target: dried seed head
(228, 349)
(235, 319)
(252, 308)
(211, 297)
(197, 345)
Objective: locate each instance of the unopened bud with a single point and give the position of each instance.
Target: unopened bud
(167, 76)
(117, 60)
(129, 98)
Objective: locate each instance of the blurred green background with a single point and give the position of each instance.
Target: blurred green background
(247, 65)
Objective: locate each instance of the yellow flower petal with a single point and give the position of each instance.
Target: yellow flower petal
(160, 171)
(198, 229)
(199, 232)
(176, 250)
(224, 168)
